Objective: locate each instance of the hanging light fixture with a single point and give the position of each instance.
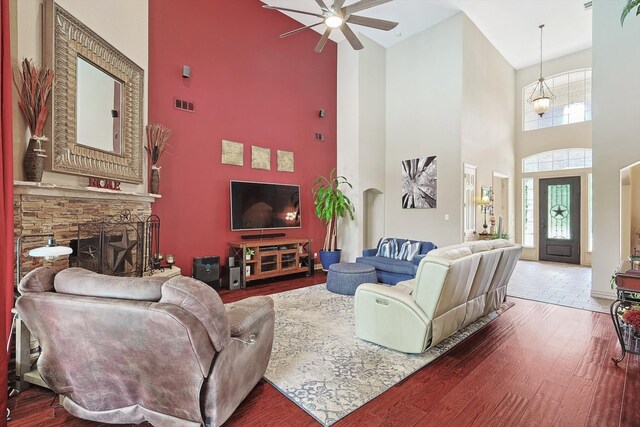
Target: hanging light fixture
(541, 96)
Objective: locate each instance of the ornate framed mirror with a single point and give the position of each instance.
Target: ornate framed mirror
(97, 101)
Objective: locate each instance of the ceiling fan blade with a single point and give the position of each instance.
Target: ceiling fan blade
(297, 30)
(323, 40)
(362, 5)
(351, 37)
(322, 5)
(337, 5)
(379, 24)
(266, 6)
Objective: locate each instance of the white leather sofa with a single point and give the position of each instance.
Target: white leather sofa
(454, 286)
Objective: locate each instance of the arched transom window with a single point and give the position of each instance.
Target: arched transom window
(556, 160)
(572, 103)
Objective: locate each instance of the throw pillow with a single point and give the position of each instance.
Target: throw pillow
(388, 248)
(408, 250)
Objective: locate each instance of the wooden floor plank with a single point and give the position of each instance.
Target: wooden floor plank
(606, 406)
(543, 407)
(592, 361)
(575, 404)
(630, 416)
(507, 413)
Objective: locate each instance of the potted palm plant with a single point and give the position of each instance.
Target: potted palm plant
(331, 203)
(631, 4)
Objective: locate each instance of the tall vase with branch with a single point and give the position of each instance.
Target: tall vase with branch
(34, 86)
(157, 137)
(331, 203)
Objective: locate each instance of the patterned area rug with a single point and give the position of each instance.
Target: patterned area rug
(320, 365)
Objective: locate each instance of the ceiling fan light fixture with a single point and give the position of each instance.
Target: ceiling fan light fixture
(333, 21)
(340, 17)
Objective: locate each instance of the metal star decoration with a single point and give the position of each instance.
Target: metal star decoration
(559, 211)
(121, 251)
(89, 251)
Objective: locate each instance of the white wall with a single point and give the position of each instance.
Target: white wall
(616, 129)
(488, 100)
(348, 131)
(424, 107)
(361, 136)
(372, 161)
(122, 23)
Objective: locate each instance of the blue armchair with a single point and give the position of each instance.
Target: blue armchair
(392, 270)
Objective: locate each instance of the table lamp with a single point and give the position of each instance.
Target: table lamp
(485, 203)
(49, 252)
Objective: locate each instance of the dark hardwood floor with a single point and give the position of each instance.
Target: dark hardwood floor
(536, 365)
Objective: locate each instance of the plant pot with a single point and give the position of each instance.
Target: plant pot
(34, 160)
(330, 257)
(154, 185)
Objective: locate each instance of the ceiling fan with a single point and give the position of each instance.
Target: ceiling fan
(338, 16)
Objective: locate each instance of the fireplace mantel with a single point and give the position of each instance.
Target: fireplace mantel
(69, 191)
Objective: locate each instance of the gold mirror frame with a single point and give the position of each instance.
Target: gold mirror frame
(65, 39)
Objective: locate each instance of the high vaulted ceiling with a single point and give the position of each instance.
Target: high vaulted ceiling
(510, 25)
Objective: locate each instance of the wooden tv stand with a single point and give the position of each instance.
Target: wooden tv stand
(272, 258)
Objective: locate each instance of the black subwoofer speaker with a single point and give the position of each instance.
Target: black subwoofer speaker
(207, 270)
(231, 278)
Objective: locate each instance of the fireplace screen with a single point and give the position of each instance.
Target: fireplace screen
(119, 245)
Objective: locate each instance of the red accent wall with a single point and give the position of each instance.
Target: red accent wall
(248, 86)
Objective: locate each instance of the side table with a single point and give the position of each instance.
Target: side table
(164, 272)
(628, 292)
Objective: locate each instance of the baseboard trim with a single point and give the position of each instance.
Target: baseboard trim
(606, 295)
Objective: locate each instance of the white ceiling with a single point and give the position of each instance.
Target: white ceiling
(510, 25)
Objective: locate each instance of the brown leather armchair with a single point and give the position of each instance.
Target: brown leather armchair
(128, 350)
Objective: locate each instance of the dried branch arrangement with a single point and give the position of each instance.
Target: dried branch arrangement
(157, 137)
(34, 86)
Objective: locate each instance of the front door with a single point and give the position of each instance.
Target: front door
(559, 225)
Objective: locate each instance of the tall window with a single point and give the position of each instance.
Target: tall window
(571, 105)
(527, 212)
(572, 158)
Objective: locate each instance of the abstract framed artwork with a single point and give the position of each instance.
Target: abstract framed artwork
(419, 183)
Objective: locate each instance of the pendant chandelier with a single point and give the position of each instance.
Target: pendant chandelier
(541, 96)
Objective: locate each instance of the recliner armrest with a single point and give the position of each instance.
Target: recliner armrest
(390, 317)
(370, 252)
(244, 313)
(398, 295)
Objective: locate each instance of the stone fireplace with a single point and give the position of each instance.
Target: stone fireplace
(49, 208)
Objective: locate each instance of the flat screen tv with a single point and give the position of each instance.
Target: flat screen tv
(259, 205)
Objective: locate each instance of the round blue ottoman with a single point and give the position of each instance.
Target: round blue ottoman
(343, 278)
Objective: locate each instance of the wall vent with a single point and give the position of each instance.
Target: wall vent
(588, 5)
(183, 105)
